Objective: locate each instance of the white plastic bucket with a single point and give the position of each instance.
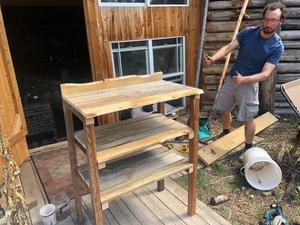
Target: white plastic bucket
(47, 213)
(261, 171)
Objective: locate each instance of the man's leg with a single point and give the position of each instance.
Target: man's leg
(226, 121)
(249, 133)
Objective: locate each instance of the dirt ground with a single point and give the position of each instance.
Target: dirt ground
(247, 205)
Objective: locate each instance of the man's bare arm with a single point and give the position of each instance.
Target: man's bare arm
(266, 71)
(221, 53)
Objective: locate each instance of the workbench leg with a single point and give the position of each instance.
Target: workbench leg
(161, 109)
(73, 161)
(93, 171)
(193, 156)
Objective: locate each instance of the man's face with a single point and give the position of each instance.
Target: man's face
(271, 21)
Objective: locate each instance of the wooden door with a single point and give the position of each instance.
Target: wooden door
(12, 118)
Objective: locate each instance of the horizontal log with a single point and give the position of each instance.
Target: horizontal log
(206, 107)
(234, 4)
(232, 58)
(211, 79)
(287, 77)
(291, 24)
(209, 95)
(293, 12)
(279, 97)
(290, 35)
(232, 15)
(282, 105)
(291, 55)
(288, 68)
(215, 45)
(253, 14)
(284, 111)
(210, 87)
(213, 37)
(216, 69)
(229, 26)
(291, 44)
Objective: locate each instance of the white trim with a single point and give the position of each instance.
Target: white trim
(151, 57)
(169, 75)
(120, 4)
(139, 4)
(129, 49)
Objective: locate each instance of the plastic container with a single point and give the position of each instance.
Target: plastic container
(63, 205)
(48, 216)
(261, 171)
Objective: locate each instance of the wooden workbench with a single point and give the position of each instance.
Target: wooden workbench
(128, 154)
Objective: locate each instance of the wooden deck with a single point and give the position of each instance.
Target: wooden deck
(143, 206)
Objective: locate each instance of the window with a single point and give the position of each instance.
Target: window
(148, 56)
(143, 2)
(168, 2)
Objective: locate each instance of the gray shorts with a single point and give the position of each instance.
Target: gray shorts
(245, 96)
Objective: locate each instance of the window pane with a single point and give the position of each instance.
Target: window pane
(124, 1)
(133, 44)
(168, 2)
(165, 60)
(114, 45)
(134, 62)
(159, 42)
(117, 65)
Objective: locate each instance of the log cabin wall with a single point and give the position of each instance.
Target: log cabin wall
(136, 23)
(221, 21)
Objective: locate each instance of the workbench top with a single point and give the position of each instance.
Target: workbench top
(99, 102)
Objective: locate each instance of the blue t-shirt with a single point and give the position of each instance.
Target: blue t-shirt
(255, 51)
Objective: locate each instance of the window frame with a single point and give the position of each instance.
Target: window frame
(147, 3)
(150, 56)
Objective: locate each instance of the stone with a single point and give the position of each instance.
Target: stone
(267, 193)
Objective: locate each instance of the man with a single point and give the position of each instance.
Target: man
(260, 49)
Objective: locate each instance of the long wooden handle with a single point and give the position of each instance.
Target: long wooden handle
(236, 30)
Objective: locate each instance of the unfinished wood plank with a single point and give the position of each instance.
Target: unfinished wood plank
(96, 103)
(123, 138)
(128, 174)
(122, 214)
(225, 144)
(88, 211)
(291, 92)
(163, 213)
(46, 148)
(110, 218)
(176, 206)
(140, 210)
(210, 216)
(73, 159)
(72, 88)
(93, 171)
(193, 146)
(32, 188)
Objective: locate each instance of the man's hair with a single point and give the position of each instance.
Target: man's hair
(276, 5)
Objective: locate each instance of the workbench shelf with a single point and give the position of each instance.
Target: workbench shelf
(125, 155)
(128, 136)
(128, 174)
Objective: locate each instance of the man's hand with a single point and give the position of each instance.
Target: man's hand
(238, 78)
(208, 60)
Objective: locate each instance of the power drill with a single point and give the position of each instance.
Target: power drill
(274, 216)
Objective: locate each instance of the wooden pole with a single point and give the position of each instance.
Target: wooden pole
(237, 27)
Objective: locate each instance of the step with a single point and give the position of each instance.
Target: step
(126, 175)
(116, 140)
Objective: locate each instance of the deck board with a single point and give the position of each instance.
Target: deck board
(143, 206)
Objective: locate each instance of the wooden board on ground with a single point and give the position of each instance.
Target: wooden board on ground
(225, 144)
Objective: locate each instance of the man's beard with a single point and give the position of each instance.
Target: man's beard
(268, 30)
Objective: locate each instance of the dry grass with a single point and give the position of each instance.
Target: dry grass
(246, 204)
